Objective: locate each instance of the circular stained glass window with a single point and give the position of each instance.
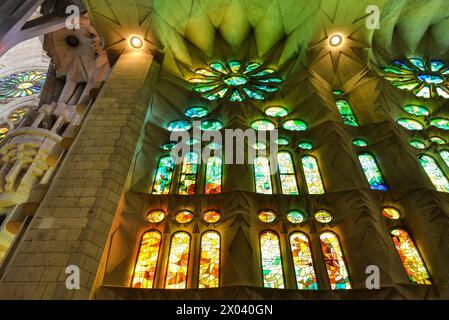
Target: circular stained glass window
(295, 216)
(410, 124)
(17, 115)
(295, 125)
(211, 125)
(360, 142)
(263, 125)
(196, 112)
(416, 110)
(267, 216)
(259, 146)
(155, 216)
(211, 216)
(276, 112)
(438, 140)
(305, 145)
(184, 216)
(323, 216)
(3, 132)
(391, 213)
(440, 123)
(168, 146)
(417, 144)
(22, 84)
(179, 125)
(282, 141)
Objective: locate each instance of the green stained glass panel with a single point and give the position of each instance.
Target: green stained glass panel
(196, 112)
(418, 144)
(270, 250)
(287, 174)
(211, 125)
(312, 175)
(262, 175)
(410, 124)
(213, 175)
(179, 125)
(372, 172)
(440, 123)
(305, 145)
(263, 125)
(164, 174)
(295, 125)
(360, 142)
(346, 112)
(276, 112)
(416, 110)
(434, 172)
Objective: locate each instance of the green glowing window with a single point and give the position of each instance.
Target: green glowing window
(436, 175)
(287, 174)
(164, 174)
(295, 125)
(410, 124)
(416, 110)
(346, 113)
(312, 175)
(187, 181)
(263, 125)
(418, 144)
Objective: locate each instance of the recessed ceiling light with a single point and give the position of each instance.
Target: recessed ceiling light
(335, 40)
(136, 42)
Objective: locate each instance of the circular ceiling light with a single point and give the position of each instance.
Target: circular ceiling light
(335, 40)
(136, 42)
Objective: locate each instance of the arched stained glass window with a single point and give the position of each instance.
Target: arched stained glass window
(187, 181)
(213, 175)
(445, 155)
(335, 264)
(262, 175)
(344, 108)
(410, 257)
(209, 273)
(178, 261)
(287, 174)
(145, 269)
(303, 262)
(436, 175)
(273, 276)
(312, 175)
(372, 172)
(164, 174)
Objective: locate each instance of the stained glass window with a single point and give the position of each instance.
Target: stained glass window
(164, 173)
(436, 175)
(263, 125)
(17, 115)
(209, 271)
(282, 141)
(305, 145)
(426, 80)
(294, 125)
(235, 81)
(445, 155)
(267, 216)
(438, 140)
(179, 125)
(273, 276)
(410, 257)
(184, 216)
(333, 258)
(372, 172)
(391, 213)
(360, 142)
(155, 216)
(196, 112)
(295, 216)
(211, 216)
(416, 110)
(262, 175)
(276, 112)
(287, 174)
(168, 146)
(213, 175)
(303, 262)
(22, 84)
(187, 181)
(410, 124)
(211, 125)
(323, 216)
(440, 123)
(312, 175)
(145, 269)
(344, 108)
(418, 144)
(259, 146)
(4, 129)
(178, 261)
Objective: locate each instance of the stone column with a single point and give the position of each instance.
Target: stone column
(74, 221)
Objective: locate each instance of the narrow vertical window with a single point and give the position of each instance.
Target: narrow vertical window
(410, 257)
(178, 261)
(209, 274)
(312, 175)
(262, 175)
(287, 174)
(273, 276)
(164, 174)
(187, 181)
(145, 269)
(213, 175)
(372, 172)
(436, 175)
(303, 262)
(344, 108)
(445, 155)
(335, 264)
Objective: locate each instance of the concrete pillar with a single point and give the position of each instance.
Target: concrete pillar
(73, 223)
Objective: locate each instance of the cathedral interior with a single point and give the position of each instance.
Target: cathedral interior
(91, 93)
